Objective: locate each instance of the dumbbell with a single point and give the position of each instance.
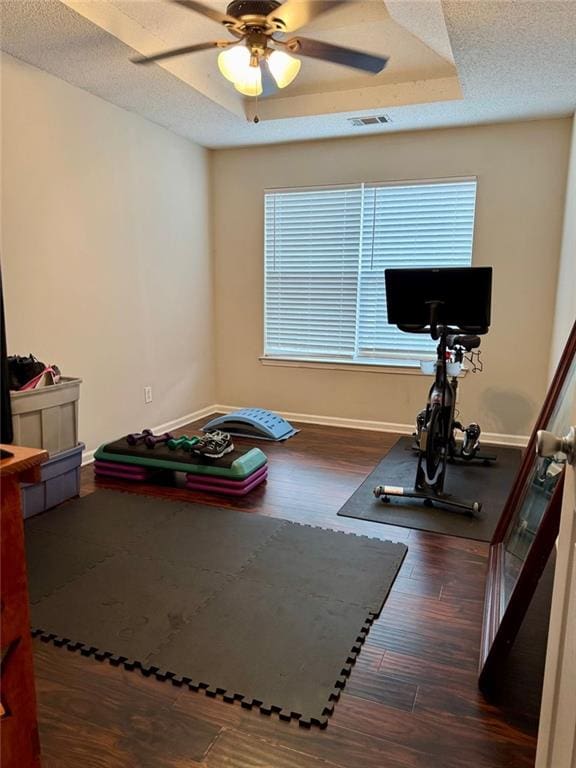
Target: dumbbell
(138, 437)
(184, 443)
(176, 442)
(151, 441)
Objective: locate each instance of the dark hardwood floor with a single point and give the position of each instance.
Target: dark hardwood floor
(411, 701)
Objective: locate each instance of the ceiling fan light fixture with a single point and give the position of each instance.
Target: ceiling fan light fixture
(283, 67)
(234, 62)
(253, 23)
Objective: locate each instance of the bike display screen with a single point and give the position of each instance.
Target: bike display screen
(461, 296)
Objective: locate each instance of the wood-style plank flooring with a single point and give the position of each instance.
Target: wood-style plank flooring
(411, 701)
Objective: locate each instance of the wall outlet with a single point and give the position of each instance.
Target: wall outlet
(147, 394)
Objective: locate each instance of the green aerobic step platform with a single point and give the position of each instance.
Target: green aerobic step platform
(237, 465)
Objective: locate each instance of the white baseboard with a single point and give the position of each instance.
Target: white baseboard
(88, 456)
(518, 441)
(376, 426)
(334, 421)
(329, 421)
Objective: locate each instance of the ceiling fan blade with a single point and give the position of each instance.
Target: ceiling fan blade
(206, 10)
(173, 52)
(317, 49)
(294, 14)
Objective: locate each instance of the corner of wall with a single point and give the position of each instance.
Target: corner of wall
(565, 308)
(212, 249)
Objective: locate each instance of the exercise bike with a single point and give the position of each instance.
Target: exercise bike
(435, 440)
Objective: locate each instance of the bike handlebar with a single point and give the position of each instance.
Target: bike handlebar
(452, 337)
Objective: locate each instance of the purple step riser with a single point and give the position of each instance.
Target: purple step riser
(122, 470)
(222, 482)
(122, 475)
(191, 486)
(118, 465)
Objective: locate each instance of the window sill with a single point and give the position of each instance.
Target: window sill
(404, 367)
(411, 368)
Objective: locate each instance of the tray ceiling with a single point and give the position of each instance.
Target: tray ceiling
(451, 63)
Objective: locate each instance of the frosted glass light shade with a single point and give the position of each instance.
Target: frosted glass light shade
(250, 82)
(283, 68)
(233, 62)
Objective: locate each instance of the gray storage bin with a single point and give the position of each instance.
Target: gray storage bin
(60, 481)
(47, 417)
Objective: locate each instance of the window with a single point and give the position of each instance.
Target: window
(326, 249)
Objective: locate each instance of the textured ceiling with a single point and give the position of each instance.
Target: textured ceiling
(515, 59)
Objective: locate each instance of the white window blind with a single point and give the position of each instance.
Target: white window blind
(415, 225)
(326, 250)
(311, 248)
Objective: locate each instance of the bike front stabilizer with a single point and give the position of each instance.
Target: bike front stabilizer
(384, 492)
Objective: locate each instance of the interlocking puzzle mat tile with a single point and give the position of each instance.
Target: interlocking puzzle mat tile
(355, 569)
(54, 559)
(127, 606)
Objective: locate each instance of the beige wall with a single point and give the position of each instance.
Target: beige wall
(521, 170)
(105, 252)
(566, 290)
(107, 267)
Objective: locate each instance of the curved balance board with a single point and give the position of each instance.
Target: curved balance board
(252, 422)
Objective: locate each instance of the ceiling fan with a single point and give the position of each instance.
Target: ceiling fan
(254, 24)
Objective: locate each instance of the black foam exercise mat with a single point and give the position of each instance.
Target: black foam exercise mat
(489, 484)
(250, 607)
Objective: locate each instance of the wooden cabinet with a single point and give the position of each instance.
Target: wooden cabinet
(20, 746)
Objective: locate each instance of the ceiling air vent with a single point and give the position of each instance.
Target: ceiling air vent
(358, 121)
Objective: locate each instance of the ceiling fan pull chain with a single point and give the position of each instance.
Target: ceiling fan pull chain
(256, 118)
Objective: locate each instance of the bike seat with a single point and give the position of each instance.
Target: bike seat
(467, 341)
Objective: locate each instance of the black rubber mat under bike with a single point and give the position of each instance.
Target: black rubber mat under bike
(472, 481)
